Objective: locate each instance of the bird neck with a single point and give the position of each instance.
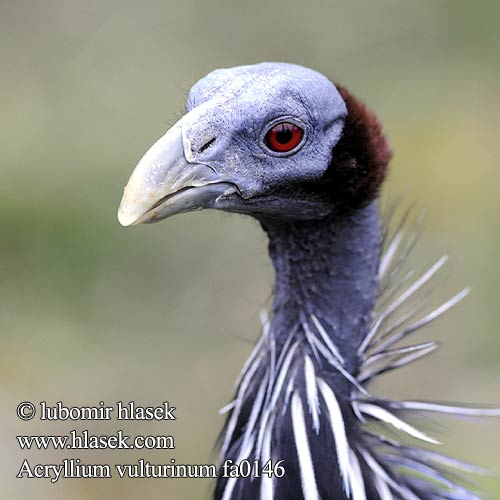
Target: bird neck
(326, 268)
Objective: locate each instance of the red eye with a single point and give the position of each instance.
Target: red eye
(283, 137)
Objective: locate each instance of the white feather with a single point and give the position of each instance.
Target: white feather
(394, 352)
(256, 410)
(449, 409)
(326, 353)
(255, 352)
(327, 339)
(388, 256)
(383, 476)
(356, 478)
(399, 362)
(310, 339)
(277, 392)
(428, 318)
(282, 375)
(266, 485)
(307, 476)
(400, 301)
(312, 392)
(266, 423)
(231, 482)
(227, 408)
(289, 388)
(383, 415)
(338, 429)
(382, 489)
(247, 379)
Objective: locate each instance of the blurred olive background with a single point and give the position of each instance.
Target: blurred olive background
(90, 311)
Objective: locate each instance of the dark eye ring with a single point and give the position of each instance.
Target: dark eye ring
(283, 137)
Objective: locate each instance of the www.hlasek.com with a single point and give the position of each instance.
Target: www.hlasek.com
(86, 440)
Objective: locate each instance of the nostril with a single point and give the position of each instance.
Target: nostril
(207, 145)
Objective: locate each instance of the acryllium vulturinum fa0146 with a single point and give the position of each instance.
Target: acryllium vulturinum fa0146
(284, 145)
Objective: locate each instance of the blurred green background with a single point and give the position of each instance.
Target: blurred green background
(90, 311)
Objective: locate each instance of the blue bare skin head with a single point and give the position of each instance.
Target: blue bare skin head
(222, 153)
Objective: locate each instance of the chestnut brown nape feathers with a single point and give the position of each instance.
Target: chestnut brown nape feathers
(361, 157)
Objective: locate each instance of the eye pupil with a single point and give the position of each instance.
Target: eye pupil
(284, 134)
(283, 137)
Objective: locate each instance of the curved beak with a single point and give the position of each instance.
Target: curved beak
(164, 183)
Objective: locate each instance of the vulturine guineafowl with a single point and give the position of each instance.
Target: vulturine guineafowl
(283, 144)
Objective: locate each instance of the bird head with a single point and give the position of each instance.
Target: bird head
(269, 140)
